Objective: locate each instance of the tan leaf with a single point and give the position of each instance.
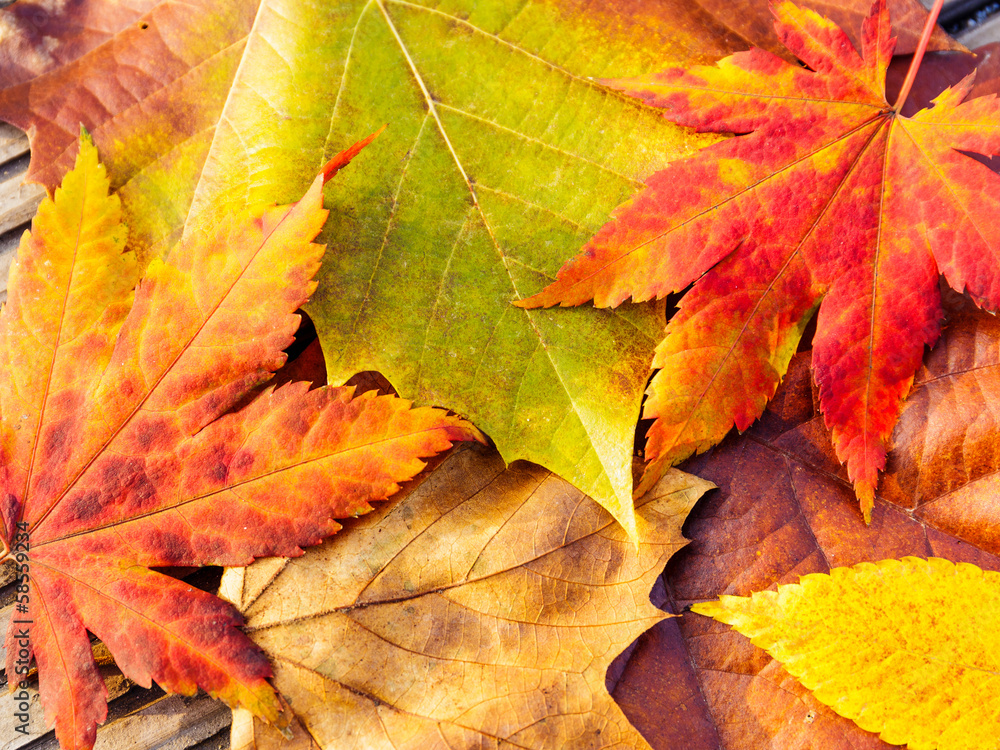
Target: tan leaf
(481, 608)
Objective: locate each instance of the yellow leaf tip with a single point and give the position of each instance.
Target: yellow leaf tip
(866, 496)
(86, 143)
(629, 523)
(709, 609)
(474, 433)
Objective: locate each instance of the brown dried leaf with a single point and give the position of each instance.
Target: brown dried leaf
(784, 509)
(482, 607)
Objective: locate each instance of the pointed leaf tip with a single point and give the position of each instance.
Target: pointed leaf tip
(342, 159)
(866, 496)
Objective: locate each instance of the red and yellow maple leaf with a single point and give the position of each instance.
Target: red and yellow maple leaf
(829, 198)
(124, 449)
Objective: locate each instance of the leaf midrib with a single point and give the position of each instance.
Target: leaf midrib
(788, 261)
(151, 389)
(529, 315)
(730, 198)
(43, 407)
(373, 445)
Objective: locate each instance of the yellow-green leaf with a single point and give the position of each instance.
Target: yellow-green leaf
(907, 648)
(499, 161)
(501, 158)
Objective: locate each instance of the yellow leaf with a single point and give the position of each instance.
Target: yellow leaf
(908, 648)
(482, 608)
(74, 257)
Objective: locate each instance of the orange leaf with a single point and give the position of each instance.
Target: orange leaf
(140, 438)
(830, 199)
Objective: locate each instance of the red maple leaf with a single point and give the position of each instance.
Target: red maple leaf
(140, 435)
(829, 198)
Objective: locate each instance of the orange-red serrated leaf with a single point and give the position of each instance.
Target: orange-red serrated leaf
(830, 198)
(159, 448)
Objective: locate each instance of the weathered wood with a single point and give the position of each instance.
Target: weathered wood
(8, 248)
(172, 722)
(13, 143)
(984, 33)
(18, 200)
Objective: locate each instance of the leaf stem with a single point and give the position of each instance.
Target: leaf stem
(918, 56)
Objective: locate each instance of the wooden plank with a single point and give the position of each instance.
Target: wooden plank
(8, 249)
(13, 732)
(18, 201)
(172, 722)
(984, 33)
(13, 143)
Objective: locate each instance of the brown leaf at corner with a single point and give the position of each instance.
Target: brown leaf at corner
(784, 509)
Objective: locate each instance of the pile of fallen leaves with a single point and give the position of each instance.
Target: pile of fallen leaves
(829, 248)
